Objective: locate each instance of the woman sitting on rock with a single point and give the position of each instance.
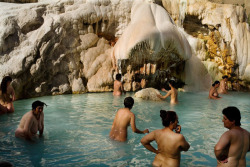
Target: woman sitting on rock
(7, 96)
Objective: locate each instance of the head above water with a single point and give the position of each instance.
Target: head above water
(168, 117)
(215, 83)
(225, 76)
(172, 83)
(37, 103)
(128, 102)
(118, 77)
(233, 114)
(4, 83)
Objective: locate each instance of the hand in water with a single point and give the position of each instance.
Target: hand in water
(178, 129)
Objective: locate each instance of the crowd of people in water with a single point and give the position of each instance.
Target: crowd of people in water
(230, 150)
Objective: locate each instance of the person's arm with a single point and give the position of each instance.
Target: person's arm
(42, 124)
(164, 90)
(221, 148)
(27, 127)
(249, 142)
(13, 95)
(133, 126)
(122, 88)
(164, 97)
(146, 140)
(184, 145)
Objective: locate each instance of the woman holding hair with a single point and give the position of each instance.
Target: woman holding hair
(7, 96)
(170, 143)
(213, 94)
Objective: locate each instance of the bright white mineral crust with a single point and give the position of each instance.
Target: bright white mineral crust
(148, 94)
(56, 46)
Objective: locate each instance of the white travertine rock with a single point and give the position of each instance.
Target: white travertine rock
(229, 19)
(246, 75)
(77, 86)
(151, 24)
(148, 94)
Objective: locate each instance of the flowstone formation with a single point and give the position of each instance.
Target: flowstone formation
(220, 35)
(152, 48)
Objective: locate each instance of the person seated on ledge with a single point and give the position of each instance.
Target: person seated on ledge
(118, 88)
(213, 94)
(223, 85)
(173, 92)
(32, 122)
(123, 118)
(170, 144)
(7, 96)
(234, 144)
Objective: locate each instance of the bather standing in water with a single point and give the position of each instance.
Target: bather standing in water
(234, 144)
(118, 88)
(170, 143)
(173, 92)
(123, 118)
(32, 122)
(213, 94)
(7, 96)
(223, 85)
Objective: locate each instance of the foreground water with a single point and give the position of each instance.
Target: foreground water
(77, 128)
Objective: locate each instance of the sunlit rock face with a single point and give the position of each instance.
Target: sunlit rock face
(57, 47)
(221, 32)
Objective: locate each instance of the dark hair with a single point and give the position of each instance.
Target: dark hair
(4, 84)
(233, 114)
(172, 83)
(225, 76)
(167, 117)
(128, 102)
(215, 83)
(118, 77)
(37, 103)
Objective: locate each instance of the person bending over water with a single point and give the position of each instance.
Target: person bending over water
(123, 118)
(213, 94)
(7, 96)
(170, 144)
(234, 144)
(32, 122)
(223, 85)
(118, 88)
(173, 92)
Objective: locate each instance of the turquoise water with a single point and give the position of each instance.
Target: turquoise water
(77, 128)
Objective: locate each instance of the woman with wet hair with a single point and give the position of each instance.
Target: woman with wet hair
(170, 143)
(7, 96)
(213, 93)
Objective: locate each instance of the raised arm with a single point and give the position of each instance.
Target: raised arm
(133, 126)
(221, 148)
(146, 140)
